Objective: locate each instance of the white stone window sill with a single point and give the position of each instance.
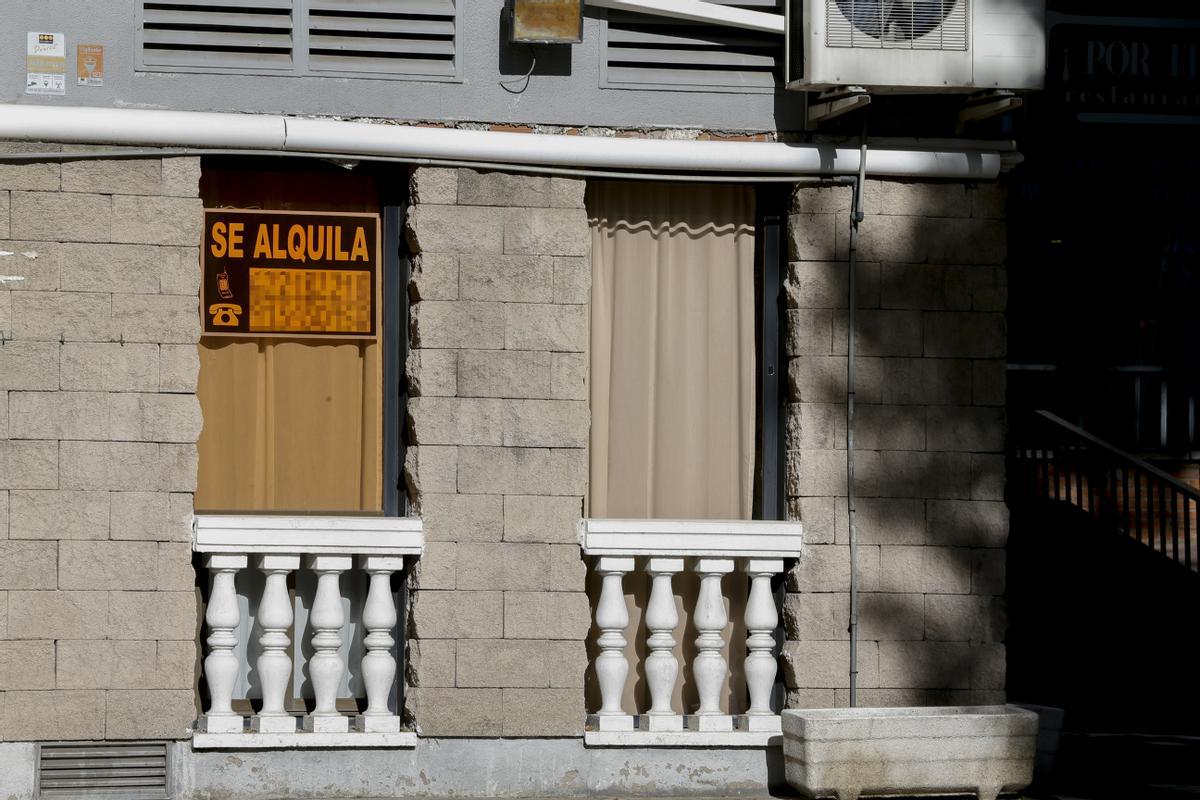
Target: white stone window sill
(683, 739)
(301, 740)
(702, 538)
(316, 535)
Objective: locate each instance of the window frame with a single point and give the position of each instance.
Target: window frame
(394, 273)
(770, 208)
(396, 270)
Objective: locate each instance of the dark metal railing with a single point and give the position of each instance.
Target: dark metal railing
(1144, 408)
(1064, 462)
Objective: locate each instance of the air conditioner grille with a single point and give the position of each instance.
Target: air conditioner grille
(897, 24)
(89, 770)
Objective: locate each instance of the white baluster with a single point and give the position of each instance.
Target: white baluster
(378, 665)
(221, 665)
(761, 620)
(709, 667)
(275, 665)
(326, 667)
(612, 668)
(662, 669)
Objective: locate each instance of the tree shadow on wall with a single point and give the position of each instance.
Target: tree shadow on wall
(929, 465)
(929, 441)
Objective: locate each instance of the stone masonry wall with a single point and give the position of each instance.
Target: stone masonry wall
(99, 419)
(499, 422)
(929, 433)
(98, 424)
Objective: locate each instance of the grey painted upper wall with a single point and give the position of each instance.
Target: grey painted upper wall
(573, 97)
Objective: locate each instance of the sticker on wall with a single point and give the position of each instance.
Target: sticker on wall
(89, 64)
(45, 64)
(290, 273)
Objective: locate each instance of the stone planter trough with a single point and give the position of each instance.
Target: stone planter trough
(847, 752)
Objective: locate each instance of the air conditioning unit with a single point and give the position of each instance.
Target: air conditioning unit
(916, 45)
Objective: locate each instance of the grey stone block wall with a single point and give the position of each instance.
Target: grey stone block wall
(930, 428)
(498, 467)
(98, 424)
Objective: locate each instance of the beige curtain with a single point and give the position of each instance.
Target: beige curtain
(289, 426)
(672, 351)
(673, 390)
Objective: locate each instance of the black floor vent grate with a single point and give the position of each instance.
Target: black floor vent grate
(90, 770)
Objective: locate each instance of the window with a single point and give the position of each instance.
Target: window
(684, 352)
(302, 304)
(685, 390)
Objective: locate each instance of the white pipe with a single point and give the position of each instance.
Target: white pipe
(271, 132)
(139, 126)
(624, 153)
(700, 11)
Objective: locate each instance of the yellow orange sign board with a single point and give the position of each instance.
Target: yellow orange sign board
(290, 273)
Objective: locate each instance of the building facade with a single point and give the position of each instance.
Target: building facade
(558, 505)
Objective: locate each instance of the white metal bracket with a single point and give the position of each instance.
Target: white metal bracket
(834, 103)
(986, 105)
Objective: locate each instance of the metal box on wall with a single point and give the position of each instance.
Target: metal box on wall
(545, 21)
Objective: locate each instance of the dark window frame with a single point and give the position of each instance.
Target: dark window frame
(770, 256)
(397, 268)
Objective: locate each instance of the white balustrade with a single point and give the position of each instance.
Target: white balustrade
(710, 667)
(662, 668)
(275, 665)
(762, 618)
(329, 547)
(721, 554)
(326, 666)
(612, 668)
(379, 668)
(221, 665)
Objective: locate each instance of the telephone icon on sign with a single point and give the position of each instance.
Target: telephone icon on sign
(225, 314)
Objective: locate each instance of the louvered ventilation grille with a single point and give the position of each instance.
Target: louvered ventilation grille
(87, 770)
(649, 51)
(303, 37)
(230, 33)
(414, 37)
(911, 25)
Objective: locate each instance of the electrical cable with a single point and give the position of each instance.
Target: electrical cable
(856, 216)
(527, 77)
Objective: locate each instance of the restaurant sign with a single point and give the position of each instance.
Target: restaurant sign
(1124, 69)
(290, 273)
